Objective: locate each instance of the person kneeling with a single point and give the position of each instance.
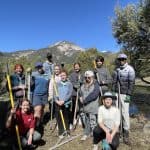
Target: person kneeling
(24, 118)
(108, 123)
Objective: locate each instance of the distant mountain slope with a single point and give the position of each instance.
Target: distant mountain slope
(63, 51)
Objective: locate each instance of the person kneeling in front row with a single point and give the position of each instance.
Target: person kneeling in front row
(108, 123)
(25, 120)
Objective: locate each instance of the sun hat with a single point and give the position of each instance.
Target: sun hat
(109, 95)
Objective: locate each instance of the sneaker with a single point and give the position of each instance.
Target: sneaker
(61, 136)
(84, 137)
(95, 147)
(70, 126)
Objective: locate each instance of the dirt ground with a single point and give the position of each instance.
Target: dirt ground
(140, 139)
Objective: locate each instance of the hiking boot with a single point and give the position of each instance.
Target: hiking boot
(84, 137)
(70, 126)
(31, 146)
(126, 137)
(95, 147)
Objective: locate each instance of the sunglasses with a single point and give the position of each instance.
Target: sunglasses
(121, 59)
(87, 77)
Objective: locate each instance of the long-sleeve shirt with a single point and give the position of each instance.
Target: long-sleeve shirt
(48, 68)
(51, 91)
(104, 78)
(64, 90)
(76, 79)
(90, 97)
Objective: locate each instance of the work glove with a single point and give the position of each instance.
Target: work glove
(29, 70)
(57, 98)
(128, 98)
(77, 85)
(49, 98)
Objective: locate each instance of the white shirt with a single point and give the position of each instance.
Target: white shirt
(109, 117)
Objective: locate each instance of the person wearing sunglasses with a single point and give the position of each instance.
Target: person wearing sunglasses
(123, 83)
(89, 96)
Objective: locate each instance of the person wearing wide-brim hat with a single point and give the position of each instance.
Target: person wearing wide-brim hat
(108, 123)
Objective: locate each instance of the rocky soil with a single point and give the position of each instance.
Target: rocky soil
(139, 133)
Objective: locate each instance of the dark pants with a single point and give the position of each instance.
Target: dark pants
(52, 109)
(99, 135)
(71, 114)
(65, 112)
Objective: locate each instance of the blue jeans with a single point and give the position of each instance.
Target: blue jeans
(36, 137)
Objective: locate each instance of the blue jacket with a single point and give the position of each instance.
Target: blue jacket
(64, 91)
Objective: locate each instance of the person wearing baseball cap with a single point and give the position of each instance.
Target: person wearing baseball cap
(123, 83)
(89, 96)
(39, 92)
(108, 123)
(38, 64)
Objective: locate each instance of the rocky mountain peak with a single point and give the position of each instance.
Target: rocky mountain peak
(65, 46)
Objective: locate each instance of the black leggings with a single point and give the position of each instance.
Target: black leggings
(65, 112)
(99, 134)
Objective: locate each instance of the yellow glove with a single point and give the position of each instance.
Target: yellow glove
(49, 98)
(29, 70)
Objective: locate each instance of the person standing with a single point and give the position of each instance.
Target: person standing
(123, 83)
(102, 75)
(51, 92)
(39, 91)
(76, 78)
(48, 66)
(108, 123)
(62, 103)
(89, 96)
(18, 84)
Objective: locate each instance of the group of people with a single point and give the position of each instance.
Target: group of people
(102, 100)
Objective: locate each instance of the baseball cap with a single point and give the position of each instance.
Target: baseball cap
(38, 64)
(122, 56)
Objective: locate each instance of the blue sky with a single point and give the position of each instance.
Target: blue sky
(35, 24)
